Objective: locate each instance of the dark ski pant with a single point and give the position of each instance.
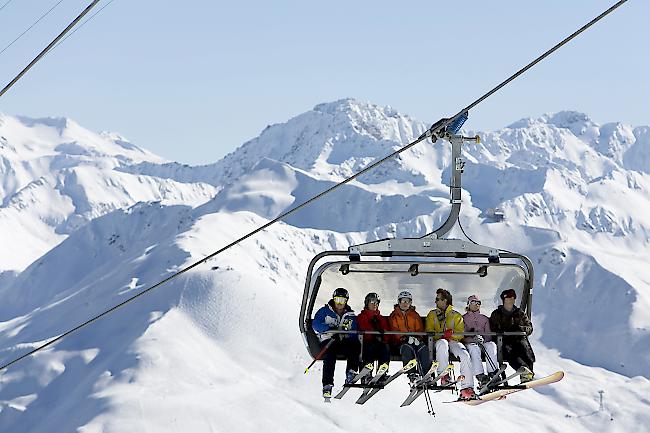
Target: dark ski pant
(515, 353)
(374, 350)
(349, 347)
(410, 351)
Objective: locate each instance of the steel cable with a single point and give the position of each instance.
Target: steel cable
(30, 27)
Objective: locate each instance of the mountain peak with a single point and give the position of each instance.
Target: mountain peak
(353, 106)
(568, 119)
(576, 122)
(58, 123)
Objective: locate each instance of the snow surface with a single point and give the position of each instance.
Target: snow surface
(91, 219)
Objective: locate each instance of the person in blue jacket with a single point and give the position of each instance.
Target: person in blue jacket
(337, 314)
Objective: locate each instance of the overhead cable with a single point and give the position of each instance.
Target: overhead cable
(80, 26)
(30, 27)
(5, 5)
(50, 45)
(527, 67)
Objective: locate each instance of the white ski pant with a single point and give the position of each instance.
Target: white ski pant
(475, 354)
(443, 347)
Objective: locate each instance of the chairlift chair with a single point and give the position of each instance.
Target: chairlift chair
(420, 265)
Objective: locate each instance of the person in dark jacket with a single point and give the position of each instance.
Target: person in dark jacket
(516, 349)
(375, 347)
(337, 314)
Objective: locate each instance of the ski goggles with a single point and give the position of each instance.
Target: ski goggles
(340, 300)
(475, 302)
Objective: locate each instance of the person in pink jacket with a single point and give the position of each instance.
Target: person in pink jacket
(477, 322)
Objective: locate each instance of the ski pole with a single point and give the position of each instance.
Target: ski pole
(487, 357)
(320, 354)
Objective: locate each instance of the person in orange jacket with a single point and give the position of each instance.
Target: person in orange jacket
(404, 318)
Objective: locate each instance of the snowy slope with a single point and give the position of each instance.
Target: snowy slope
(55, 176)
(218, 349)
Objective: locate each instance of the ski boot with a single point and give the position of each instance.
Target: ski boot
(526, 377)
(327, 393)
(445, 379)
(467, 394)
(482, 379)
(349, 376)
(413, 379)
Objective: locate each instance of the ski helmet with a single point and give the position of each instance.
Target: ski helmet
(404, 294)
(341, 293)
(371, 297)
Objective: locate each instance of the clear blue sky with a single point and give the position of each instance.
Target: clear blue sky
(193, 80)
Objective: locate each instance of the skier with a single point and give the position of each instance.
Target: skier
(337, 314)
(404, 318)
(444, 319)
(477, 322)
(516, 349)
(375, 347)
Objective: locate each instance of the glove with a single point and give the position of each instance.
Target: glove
(414, 341)
(376, 325)
(480, 339)
(330, 321)
(346, 325)
(447, 334)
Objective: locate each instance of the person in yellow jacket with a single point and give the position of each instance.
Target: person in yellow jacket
(444, 319)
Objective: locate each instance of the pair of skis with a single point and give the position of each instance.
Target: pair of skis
(501, 394)
(365, 371)
(494, 381)
(378, 382)
(418, 388)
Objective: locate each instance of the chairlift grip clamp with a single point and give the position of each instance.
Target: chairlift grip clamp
(493, 256)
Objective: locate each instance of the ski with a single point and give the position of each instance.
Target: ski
(491, 384)
(493, 379)
(427, 376)
(381, 372)
(450, 385)
(418, 390)
(366, 370)
(408, 367)
(502, 393)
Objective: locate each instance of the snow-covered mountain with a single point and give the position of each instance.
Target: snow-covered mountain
(218, 349)
(55, 176)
